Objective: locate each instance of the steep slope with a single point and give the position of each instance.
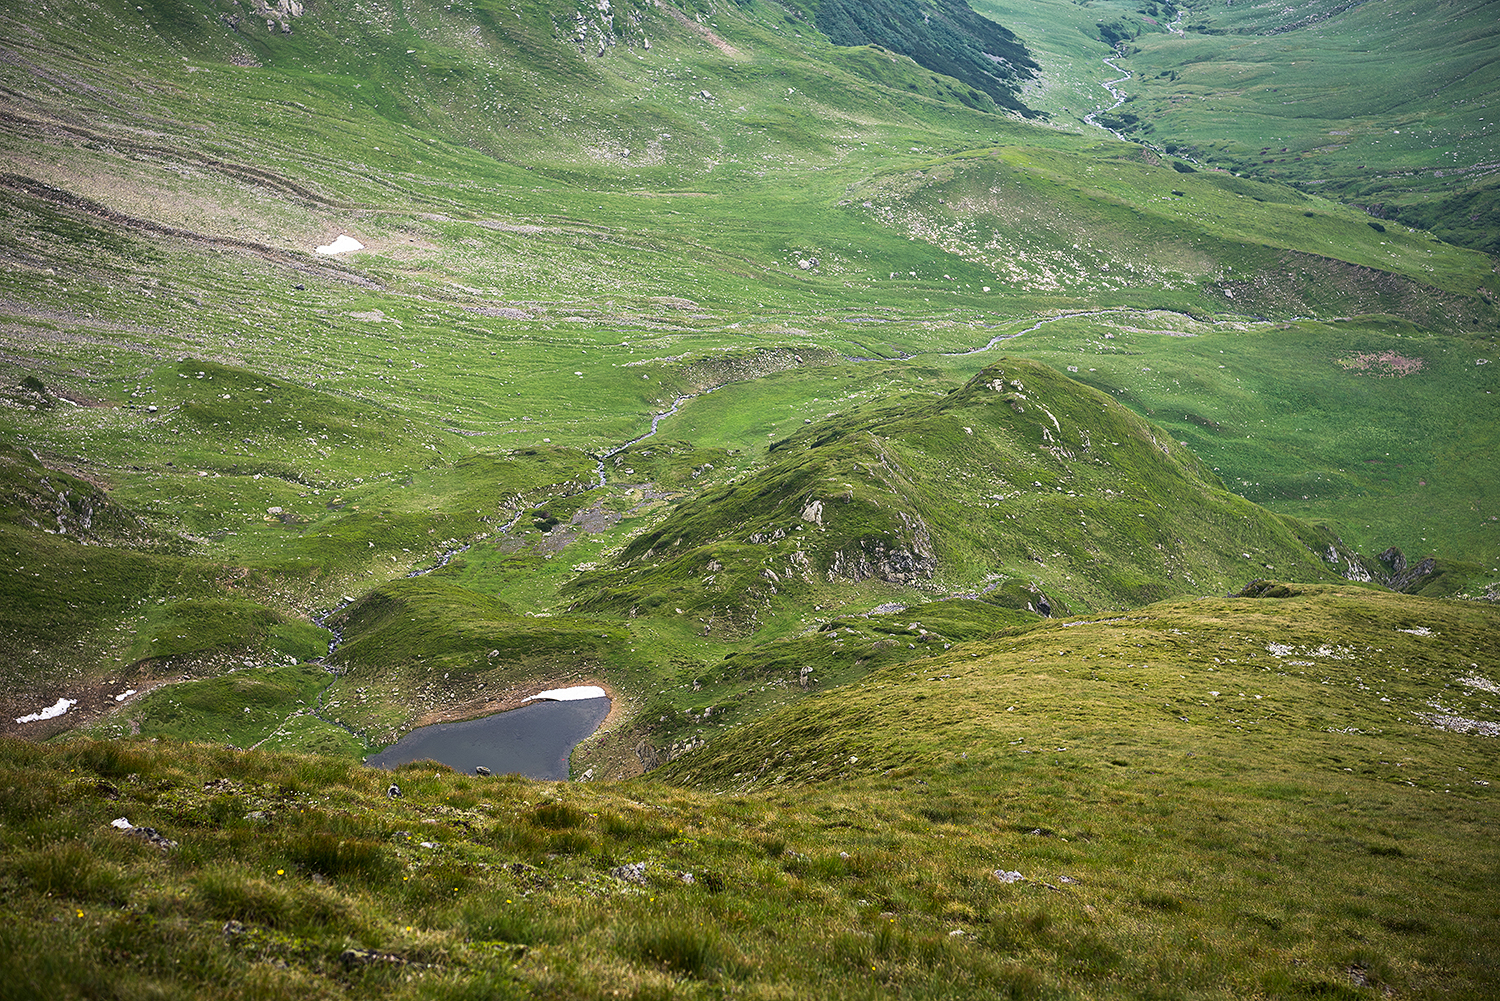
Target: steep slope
(575, 222)
(946, 37)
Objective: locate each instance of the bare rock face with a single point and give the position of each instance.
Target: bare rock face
(872, 558)
(905, 562)
(278, 17)
(1403, 577)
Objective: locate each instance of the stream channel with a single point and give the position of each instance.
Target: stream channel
(534, 740)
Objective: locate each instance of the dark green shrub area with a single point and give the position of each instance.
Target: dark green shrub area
(946, 37)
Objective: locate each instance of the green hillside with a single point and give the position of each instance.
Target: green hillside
(1208, 798)
(1024, 562)
(1378, 105)
(1017, 478)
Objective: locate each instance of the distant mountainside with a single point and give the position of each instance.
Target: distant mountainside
(1382, 105)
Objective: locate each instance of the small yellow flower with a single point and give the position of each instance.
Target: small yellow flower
(281, 872)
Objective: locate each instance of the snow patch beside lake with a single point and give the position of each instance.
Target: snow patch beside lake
(56, 709)
(570, 694)
(343, 244)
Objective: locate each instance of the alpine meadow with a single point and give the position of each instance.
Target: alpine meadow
(1025, 477)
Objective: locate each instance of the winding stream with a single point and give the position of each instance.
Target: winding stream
(1038, 325)
(1120, 95)
(656, 420)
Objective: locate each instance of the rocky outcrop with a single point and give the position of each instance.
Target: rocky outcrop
(878, 559)
(1400, 576)
(278, 17)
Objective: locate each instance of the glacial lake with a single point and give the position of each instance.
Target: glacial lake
(534, 740)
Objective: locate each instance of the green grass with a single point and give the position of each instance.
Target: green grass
(651, 375)
(245, 708)
(1377, 106)
(1284, 418)
(1167, 836)
(1015, 476)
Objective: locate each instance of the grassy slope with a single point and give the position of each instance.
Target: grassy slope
(560, 245)
(1015, 476)
(1391, 459)
(1378, 105)
(328, 424)
(1205, 798)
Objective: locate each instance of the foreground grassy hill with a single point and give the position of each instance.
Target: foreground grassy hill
(1201, 798)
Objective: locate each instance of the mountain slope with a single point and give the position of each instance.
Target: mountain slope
(1376, 104)
(1020, 475)
(1207, 796)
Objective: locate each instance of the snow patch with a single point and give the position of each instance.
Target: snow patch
(343, 244)
(570, 694)
(56, 709)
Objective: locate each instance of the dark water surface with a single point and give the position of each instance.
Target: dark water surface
(534, 740)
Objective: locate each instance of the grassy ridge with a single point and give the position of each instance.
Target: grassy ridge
(1377, 447)
(1163, 826)
(1017, 475)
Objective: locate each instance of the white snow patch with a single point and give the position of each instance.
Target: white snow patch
(343, 244)
(124, 695)
(570, 694)
(56, 709)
